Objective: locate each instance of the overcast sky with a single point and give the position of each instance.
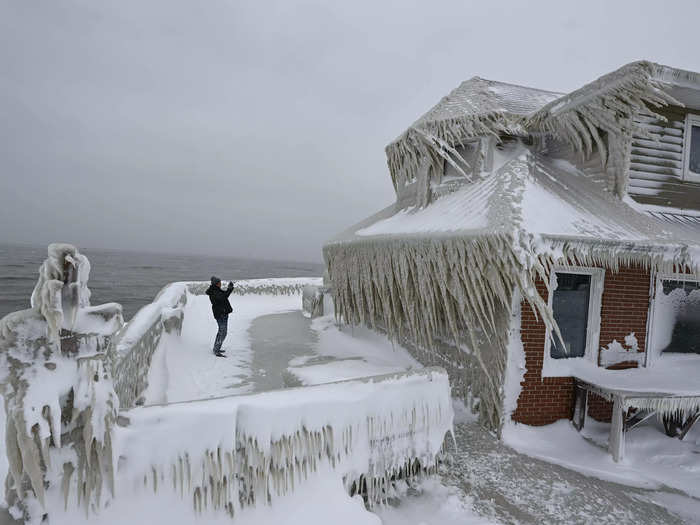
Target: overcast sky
(258, 128)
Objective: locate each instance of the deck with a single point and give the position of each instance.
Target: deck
(669, 390)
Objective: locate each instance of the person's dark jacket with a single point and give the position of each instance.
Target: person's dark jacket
(219, 300)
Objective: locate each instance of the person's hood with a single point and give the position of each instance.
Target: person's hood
(211, 289)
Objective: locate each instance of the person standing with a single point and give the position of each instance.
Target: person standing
(221, 308)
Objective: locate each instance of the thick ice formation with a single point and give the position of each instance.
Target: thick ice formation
(600, 115)
(312, 301)
(250, 449)
(56, 384)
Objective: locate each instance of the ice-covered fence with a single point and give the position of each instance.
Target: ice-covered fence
(272, 286)
(139, 338)
(250, 449)
(136, 342)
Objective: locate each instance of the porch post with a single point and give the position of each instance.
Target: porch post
(616, 444)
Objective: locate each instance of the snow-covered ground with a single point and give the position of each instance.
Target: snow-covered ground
(514, 487)
(348, 353)
(185, 368)
(653, 460)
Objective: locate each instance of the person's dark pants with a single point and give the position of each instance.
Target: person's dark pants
(222, 321)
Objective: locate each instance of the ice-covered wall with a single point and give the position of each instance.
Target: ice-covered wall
(250, 449)
(55, 378)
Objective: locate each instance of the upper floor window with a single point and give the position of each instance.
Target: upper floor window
(468, 153)
(691, 161)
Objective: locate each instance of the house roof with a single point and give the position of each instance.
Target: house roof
(530, 194)
(482, 97)
(583, 117)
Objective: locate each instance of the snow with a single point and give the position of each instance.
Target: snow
(680, 304)
(272, 442)
(665, 313)
(615, 352)
(515, 364)
(182, 368)
(189, 370)
(534, 194)
(459, 206)
(671, 373)
(432, 503)
(167, 299)
(651, 461)
(332, 505)
(45, 379)
(355, 352)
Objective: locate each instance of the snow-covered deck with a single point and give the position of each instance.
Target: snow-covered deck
(670, 386)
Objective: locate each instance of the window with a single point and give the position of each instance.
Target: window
(691, 148)
(468, 154)
(575, 301)
(570, 307)
(676, 320)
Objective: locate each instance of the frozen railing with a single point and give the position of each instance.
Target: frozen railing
(136, 342)
(272, 286)
(254, 448)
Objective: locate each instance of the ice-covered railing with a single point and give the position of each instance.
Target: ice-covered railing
(136, 342)
(250, 449)
(139, 338)
(272, 286)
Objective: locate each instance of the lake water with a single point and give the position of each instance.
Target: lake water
(133, 279)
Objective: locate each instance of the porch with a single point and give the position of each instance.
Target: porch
(670, 390)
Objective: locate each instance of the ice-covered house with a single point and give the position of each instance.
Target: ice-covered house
(540, 243)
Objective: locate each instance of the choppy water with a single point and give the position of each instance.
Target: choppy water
(130, 278)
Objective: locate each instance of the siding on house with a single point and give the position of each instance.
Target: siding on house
(656, 166)
(624, 309)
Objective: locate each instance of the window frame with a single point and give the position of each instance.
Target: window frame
(552, 367)
(691, 119)
(658, 284)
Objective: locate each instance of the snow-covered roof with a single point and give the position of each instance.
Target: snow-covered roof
(534, 195)
(452, 266)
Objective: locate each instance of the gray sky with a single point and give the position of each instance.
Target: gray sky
(258, 128)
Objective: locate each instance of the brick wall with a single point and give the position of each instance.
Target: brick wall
(625, 305)
(624, 308)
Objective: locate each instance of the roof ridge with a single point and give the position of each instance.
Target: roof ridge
(522, 86)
